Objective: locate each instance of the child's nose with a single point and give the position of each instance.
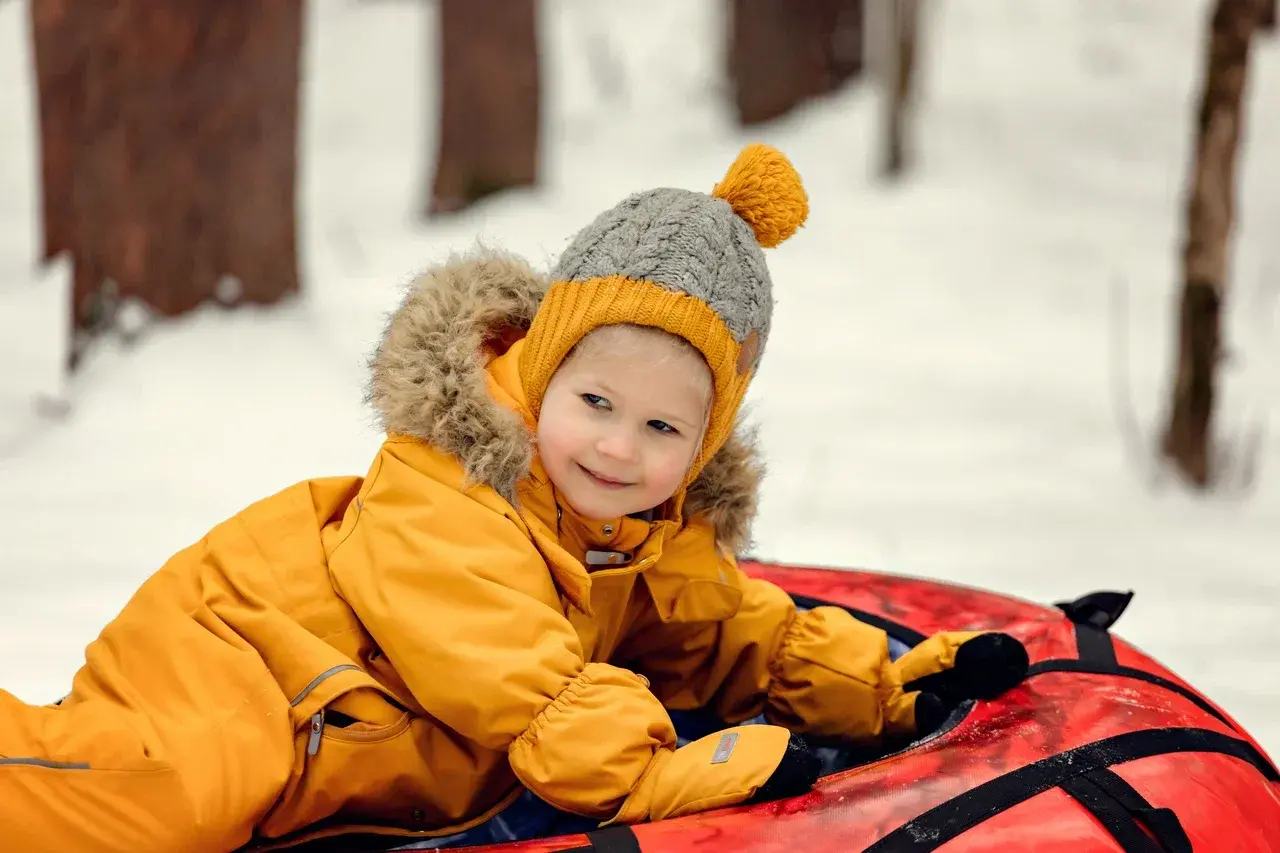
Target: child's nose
(617, 444)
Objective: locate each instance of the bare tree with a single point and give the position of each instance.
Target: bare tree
(895, 31)
(168, 139)
(489, 101)
(1210, 214)
(1270, 13)
(783, 52)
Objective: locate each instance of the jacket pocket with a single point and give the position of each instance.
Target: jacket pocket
(352, 754)
(691, 583)
(363, 759)
(705, 601)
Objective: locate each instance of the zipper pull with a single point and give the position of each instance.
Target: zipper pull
(317, 729)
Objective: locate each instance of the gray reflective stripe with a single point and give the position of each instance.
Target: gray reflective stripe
(40, 762)
(315, 682)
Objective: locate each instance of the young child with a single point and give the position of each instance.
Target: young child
(537, 569)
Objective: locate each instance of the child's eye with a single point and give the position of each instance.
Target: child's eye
(595, 401)
(663, 426)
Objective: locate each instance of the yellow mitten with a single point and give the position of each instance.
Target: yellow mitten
(730, 767)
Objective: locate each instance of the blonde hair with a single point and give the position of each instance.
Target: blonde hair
(630, 338)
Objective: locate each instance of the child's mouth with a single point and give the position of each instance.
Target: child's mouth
(603, 481)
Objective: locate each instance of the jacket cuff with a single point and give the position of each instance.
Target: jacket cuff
(827, 677)
(588, 749)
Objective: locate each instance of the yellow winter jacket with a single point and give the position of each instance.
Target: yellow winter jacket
(441, 631)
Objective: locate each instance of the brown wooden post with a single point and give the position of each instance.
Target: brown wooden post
(168, 147)
(1210, 215)
(489, 101)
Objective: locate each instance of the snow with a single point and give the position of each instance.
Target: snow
(966, 375)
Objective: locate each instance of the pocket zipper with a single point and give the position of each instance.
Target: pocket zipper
(317, 729)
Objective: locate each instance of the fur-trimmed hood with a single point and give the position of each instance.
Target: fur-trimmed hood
(428, 381)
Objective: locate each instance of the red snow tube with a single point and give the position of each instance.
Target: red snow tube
(1101, 749)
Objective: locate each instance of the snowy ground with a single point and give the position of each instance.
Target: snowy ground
(960, 368)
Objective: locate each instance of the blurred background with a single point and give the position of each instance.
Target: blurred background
(1027, 341)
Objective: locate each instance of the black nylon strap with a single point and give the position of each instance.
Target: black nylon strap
(1162, 822)
(1117, 820)
(1095, 645)
(1093, 615)
(619, 838)
(943, 822)
(1099, 609)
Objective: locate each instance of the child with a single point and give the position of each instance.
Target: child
(537, 568)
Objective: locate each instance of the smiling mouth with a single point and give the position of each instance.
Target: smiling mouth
(603, 481)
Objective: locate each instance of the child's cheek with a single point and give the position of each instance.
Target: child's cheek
(670, 471)
(561, 441)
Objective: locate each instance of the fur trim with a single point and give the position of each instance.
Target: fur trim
(428, 381)
(429, 374)
(726, 492)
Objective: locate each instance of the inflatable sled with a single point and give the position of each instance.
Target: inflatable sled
(1100, 749)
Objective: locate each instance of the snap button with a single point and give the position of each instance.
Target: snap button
(607, 558)
(607, 530)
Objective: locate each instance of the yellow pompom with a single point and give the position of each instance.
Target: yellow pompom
(764, 189)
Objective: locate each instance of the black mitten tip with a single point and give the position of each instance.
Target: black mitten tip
(931, 712)
(990, 664)
(795, 774)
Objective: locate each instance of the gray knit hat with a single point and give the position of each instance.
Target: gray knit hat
(685, 262)
(687, 242)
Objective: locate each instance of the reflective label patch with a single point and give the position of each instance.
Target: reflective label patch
(724, 748)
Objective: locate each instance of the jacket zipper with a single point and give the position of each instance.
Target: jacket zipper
(317, 729)
(319, 679)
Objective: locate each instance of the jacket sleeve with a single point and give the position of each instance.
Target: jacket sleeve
(816, 672)
(464, 608)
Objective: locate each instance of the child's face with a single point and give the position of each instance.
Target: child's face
(620, 425)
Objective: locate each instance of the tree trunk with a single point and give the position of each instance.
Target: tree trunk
(899, 40)
(168, 147)
(1209, 221)
(783, 52)
(489, 101)
(1270, 12)
(60, 47)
